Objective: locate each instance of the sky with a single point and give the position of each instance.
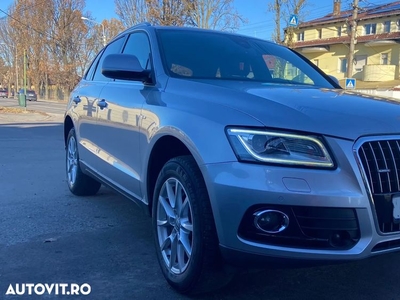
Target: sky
(260, 22)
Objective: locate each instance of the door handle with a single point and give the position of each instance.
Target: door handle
(76, 99)
(102, 104)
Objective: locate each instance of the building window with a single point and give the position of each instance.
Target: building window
(359, 62)
(319, 31)
(370, 28)
(386, 26)
(339, 31)
(300, 36)
(343, 65)
(385, 58)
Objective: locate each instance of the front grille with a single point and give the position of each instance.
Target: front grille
(380, 160)
(386, 246)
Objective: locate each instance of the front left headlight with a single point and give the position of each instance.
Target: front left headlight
(279, 148)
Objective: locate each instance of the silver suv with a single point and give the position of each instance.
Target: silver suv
(241, 150)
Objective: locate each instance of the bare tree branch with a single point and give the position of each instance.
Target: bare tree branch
(131, 12)
(216, 14)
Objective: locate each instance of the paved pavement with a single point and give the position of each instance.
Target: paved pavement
(52, 107)
(49, 236)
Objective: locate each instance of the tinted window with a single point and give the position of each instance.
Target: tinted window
(231, 57)
(90, 71)
(138, 45)
(113, 48)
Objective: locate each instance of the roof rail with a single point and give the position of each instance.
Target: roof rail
(132, 27)
(143, 23)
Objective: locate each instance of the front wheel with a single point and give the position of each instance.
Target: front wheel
(79, 183)
(184, 230)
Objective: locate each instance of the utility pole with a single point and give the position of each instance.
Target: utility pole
(22, 98)
(353, 40)
(24, 72)
(16, 72)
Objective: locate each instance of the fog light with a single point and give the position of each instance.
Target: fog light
(271, 221)
(340, 239)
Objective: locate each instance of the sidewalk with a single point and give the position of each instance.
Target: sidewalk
(20, 115)
(43, 100)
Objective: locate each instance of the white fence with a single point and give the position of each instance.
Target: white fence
(381, 93)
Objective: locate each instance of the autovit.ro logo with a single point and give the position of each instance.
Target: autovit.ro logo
(68, 289)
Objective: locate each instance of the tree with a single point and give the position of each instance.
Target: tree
(276, 8)
(112, 27)
(210, 14)
(4, 74)
(58, 44)
(216, 14)
(30, 37)
(8, 54)
(282, 10)
(131, 12)
(157, 12)
(170, 12)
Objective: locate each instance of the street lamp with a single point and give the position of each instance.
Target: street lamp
(16, 66)
(102, 25)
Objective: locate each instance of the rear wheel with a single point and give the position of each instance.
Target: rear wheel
(79, 183)
(184, 230)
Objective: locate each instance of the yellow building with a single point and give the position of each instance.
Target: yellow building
(325, 41)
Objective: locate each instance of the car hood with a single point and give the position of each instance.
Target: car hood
(333, 112)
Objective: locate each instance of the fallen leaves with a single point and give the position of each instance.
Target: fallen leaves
(18, 110)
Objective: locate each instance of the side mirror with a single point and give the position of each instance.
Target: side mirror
(124, 67)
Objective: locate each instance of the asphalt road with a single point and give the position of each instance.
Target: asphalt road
(49, 236)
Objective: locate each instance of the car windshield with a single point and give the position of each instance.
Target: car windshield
(209, 55)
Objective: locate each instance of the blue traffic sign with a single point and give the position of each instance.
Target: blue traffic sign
(350, 83)
(294, 20)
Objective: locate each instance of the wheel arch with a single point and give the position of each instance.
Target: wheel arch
(164, 149)
(68, 125)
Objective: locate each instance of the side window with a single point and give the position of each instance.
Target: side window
(138, 45)
(113, 48)
(90, 71)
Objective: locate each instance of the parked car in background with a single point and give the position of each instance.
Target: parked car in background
(3, 93)
(242, 151)
(30, 94)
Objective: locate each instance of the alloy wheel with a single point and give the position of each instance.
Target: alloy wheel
(175, 226)
(72, 161)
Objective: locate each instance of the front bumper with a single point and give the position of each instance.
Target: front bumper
(236, 187)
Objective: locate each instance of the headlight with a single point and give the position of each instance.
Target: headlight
(279, 148)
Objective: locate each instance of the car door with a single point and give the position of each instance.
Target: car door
(86, 98)
(83, 97)
(119, 120)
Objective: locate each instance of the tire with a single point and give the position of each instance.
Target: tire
(186, 226)
(79, 183)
